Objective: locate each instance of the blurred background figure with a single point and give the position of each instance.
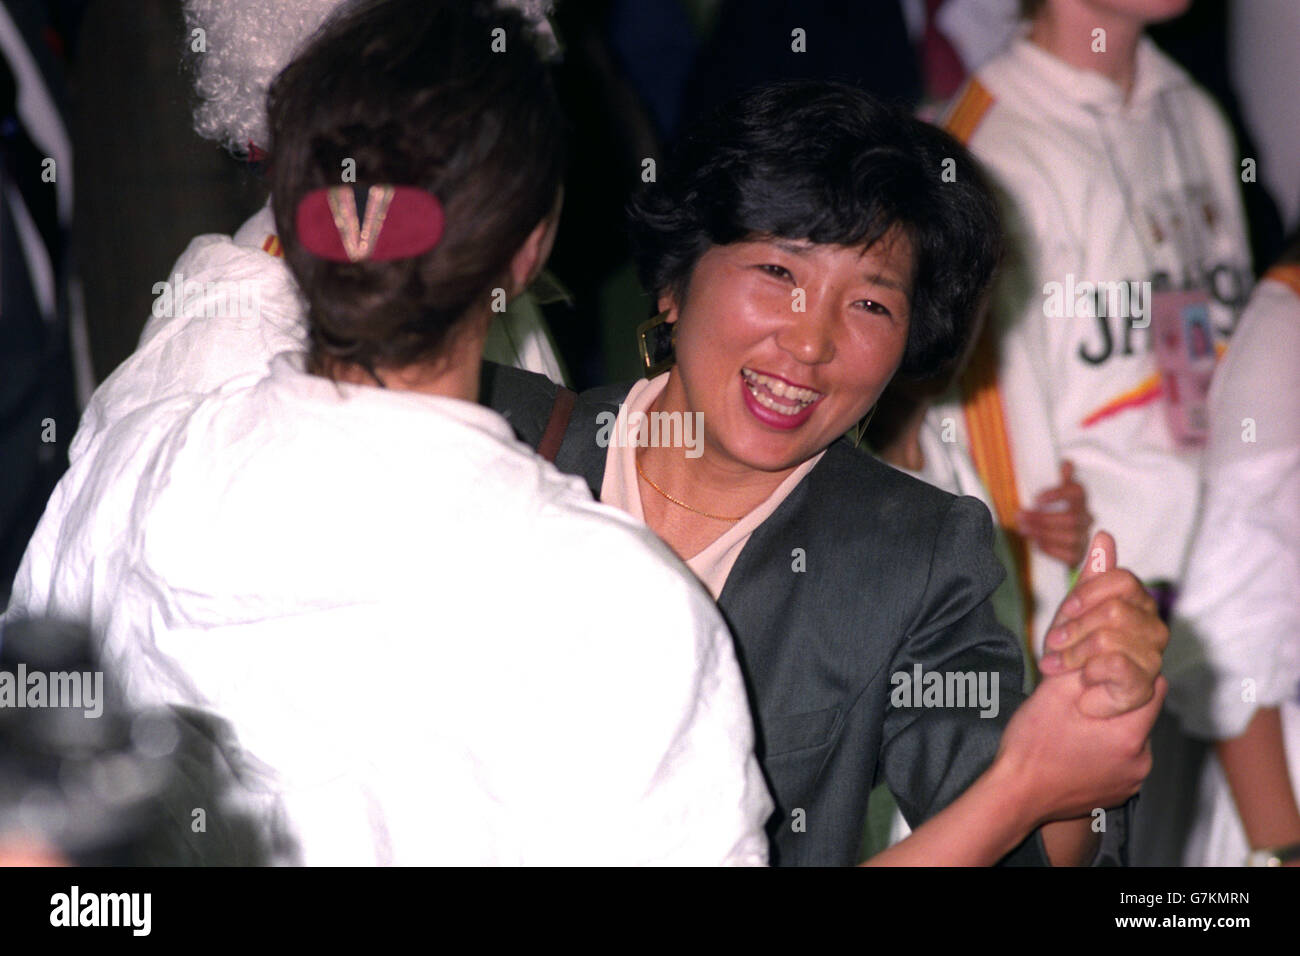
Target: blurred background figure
(149, 182)
(1114, 168)
(1120, 176)
(1208, 42)
(1264, 48)
(87, 780)
(1234, 656)
(41, 374)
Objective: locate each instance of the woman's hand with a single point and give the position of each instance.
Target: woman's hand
(1054, 763)
(1059, 522)
(1067, 762)
(1107, 629)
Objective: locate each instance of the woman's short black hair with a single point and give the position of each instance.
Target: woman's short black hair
(448, 95)
(829, 163)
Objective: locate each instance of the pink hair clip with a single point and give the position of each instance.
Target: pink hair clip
(394, 222)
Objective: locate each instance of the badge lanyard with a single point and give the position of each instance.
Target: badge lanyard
(1182, 335)
(1188, 243)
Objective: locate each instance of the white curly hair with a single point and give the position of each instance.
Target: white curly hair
(248, 42)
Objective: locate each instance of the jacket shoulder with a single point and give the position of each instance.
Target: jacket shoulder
(524, 399)
(878, 493)
(878, 519)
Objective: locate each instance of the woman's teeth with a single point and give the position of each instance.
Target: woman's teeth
(796, 399)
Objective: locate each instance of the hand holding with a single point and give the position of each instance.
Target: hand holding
(1070, 763)
(1107, 628)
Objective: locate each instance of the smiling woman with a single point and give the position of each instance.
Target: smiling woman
(805, 246)
(813, 334)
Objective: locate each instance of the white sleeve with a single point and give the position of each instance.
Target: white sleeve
(221, 314)
(1235, 641)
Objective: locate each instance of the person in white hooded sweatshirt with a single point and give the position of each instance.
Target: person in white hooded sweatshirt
(385, 595)
(1127, 264)
(1120, 184)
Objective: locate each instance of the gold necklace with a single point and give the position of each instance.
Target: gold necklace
(676, 501)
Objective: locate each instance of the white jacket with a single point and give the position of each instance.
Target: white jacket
(431, 645)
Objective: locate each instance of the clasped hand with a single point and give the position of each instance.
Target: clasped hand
(1108, 628)
(1082, 736)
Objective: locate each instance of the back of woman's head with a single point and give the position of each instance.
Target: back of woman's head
(449, 96)
(830, 163)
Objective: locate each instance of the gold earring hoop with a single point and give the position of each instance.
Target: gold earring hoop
(657, 340)
(860, 429)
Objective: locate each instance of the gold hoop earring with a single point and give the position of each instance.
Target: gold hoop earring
(657, 340)
(860, 429)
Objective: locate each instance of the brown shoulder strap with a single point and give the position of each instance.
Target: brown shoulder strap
(557, 424)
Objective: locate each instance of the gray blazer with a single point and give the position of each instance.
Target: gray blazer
(896, 575)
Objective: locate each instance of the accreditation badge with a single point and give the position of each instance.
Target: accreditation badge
(1185, 354)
